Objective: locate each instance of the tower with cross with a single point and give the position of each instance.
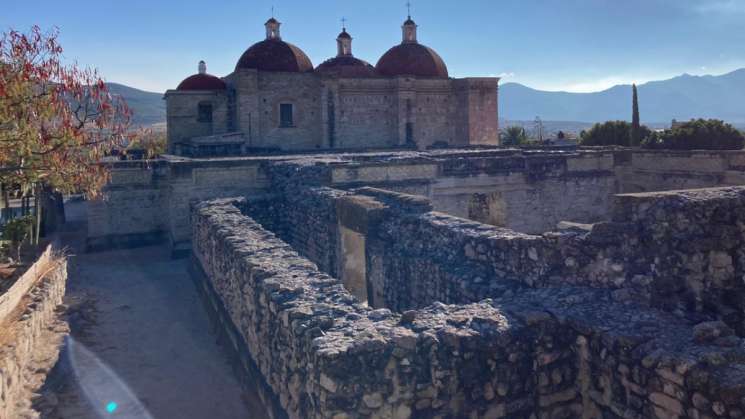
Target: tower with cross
(344, 41)
(409, 28)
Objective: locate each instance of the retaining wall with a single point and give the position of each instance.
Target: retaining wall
(29, 317)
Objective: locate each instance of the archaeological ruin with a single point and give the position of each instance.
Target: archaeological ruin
(369, 250)
(347, 240)
(478, 282)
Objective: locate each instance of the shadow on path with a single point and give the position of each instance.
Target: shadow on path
(137, 313)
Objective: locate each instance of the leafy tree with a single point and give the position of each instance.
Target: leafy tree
(16, 231)
(56, 120)
(514, 135)
(698, 134)
(611, 133)
(636, 133)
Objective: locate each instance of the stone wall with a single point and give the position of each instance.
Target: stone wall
(360, 108)
(325, 355)
(679, 251)
(552, 352)
(149, 202)
(182, 108)
(688, 246)
(478, 103)
(341, 113)
(29, 317)
(661, 170)
(130, 212)
(528, 191)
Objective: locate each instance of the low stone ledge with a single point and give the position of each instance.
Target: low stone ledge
(32, 334)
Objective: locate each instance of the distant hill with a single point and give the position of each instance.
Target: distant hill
(683, 97)
(147, 108)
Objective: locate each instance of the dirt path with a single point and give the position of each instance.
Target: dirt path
(141, 344)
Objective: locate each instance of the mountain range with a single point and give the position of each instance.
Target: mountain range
(682, 98)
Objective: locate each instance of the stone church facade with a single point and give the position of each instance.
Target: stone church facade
(276, 100)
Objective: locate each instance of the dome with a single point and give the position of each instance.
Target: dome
(275, 55)
(412, 59)
(202, 82)
(346, 66)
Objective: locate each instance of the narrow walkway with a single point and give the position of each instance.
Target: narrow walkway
(141, 344)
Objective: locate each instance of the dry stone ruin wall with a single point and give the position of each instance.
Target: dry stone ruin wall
(681, 252)
(436, 284)
(517, 344)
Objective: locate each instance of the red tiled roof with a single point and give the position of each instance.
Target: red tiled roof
(412, 59)
(202, 82)
(275, 55)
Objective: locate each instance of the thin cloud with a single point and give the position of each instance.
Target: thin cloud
(721, 6)
(597, 85)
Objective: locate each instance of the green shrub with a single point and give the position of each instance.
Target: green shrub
(699, 134)
(17, 231)
(514, 135)
(612, 133)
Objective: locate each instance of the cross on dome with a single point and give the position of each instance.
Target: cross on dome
(409, 27)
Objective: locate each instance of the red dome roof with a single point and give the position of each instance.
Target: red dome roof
(412, 59)
(202, 82)
(346, 66)
(275, 55)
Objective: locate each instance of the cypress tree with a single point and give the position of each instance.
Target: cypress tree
(635, 125)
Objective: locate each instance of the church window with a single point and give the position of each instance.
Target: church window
(204, 112)
(285, 115)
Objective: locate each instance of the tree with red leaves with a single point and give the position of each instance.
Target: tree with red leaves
(56, 120)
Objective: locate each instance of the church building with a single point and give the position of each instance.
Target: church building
(277, 101)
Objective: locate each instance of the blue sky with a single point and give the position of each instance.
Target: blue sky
(574, 45)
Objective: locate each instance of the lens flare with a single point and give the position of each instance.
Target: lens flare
(111, 407)
(105, 391)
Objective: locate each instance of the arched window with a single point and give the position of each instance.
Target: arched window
(204, 113)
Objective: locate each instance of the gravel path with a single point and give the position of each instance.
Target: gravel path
(141, 345)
